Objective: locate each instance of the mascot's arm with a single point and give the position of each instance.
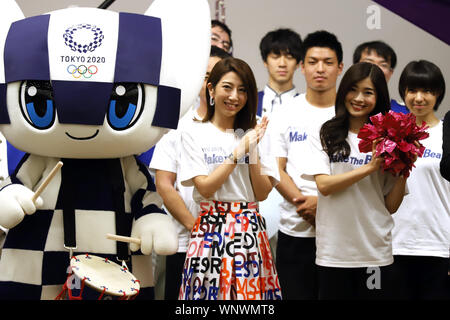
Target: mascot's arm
(16, 191)
(151, 225)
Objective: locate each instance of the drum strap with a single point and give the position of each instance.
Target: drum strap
(67, 194)
(123, 221)
(70, 178)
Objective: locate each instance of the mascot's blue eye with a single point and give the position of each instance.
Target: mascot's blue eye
(120, 117)
(44, 120)
(36, 101)
(125, 105)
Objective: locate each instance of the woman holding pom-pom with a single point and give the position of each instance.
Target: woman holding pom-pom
(421, 235)
(356, 198)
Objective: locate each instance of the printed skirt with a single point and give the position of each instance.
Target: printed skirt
(228, 256)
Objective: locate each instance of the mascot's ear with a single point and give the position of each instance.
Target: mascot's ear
(186, 43)
(9, 12)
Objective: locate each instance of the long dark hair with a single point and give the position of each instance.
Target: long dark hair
(246, 118)
(334, 132)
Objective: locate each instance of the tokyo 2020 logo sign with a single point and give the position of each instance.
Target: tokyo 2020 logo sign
(83, 38)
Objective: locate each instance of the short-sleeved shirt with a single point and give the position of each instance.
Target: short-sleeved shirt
(205, 147)
(353, 226)
(422, 223)
(289, 132)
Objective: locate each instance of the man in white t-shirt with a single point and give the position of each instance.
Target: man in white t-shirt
(295, 254)
(178, 199)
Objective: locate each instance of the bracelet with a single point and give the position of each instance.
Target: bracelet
(232, 158)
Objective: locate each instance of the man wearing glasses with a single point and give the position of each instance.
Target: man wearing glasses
(221, 36)
(381, 54)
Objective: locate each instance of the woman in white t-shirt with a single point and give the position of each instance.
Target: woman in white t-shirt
(228, 256)
(421, 236)
(356, 200)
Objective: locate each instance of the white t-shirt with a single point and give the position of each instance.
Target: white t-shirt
(272, 104)
(205, 147)
(353, 227)
(289, 132)
(166, 156)
(422, 223)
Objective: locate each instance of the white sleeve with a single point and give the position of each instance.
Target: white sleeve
(276, 134)
(269, 163)
(318, 160)
(166, 151)
(192, 160)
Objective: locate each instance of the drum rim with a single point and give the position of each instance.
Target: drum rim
(76, 261)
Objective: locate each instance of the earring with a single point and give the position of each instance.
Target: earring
(211, 101)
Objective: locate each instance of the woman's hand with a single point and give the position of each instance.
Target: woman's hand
(376, 161)
(261, 127)
(251, 139)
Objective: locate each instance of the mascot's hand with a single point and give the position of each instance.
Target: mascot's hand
(15, 203)
(157, 232)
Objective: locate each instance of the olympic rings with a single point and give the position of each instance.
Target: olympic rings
(82, 70)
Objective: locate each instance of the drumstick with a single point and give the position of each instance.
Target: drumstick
(123, 238)
(47, 181)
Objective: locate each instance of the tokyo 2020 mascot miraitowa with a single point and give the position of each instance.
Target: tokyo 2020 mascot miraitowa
(92, 88)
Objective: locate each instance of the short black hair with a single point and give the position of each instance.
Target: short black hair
(218, 52)
(381, 48)
(279, 41)
(323, 39)
(224, 27)
(422, 74)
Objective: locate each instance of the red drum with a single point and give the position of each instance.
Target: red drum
(96, 278)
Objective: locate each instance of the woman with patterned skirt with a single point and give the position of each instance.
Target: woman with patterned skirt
(229, 256)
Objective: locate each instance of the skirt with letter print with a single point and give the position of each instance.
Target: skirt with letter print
(228, 256)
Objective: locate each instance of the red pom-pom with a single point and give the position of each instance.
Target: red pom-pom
(398, 132)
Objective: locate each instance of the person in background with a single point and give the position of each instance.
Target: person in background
(289, 132)
(221, 36)
(421, 236)
(381, 54)
(178, 199)
(281, 53)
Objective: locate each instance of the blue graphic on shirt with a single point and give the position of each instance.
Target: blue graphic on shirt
(351, 160)
(296, 137)
(429, 154)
